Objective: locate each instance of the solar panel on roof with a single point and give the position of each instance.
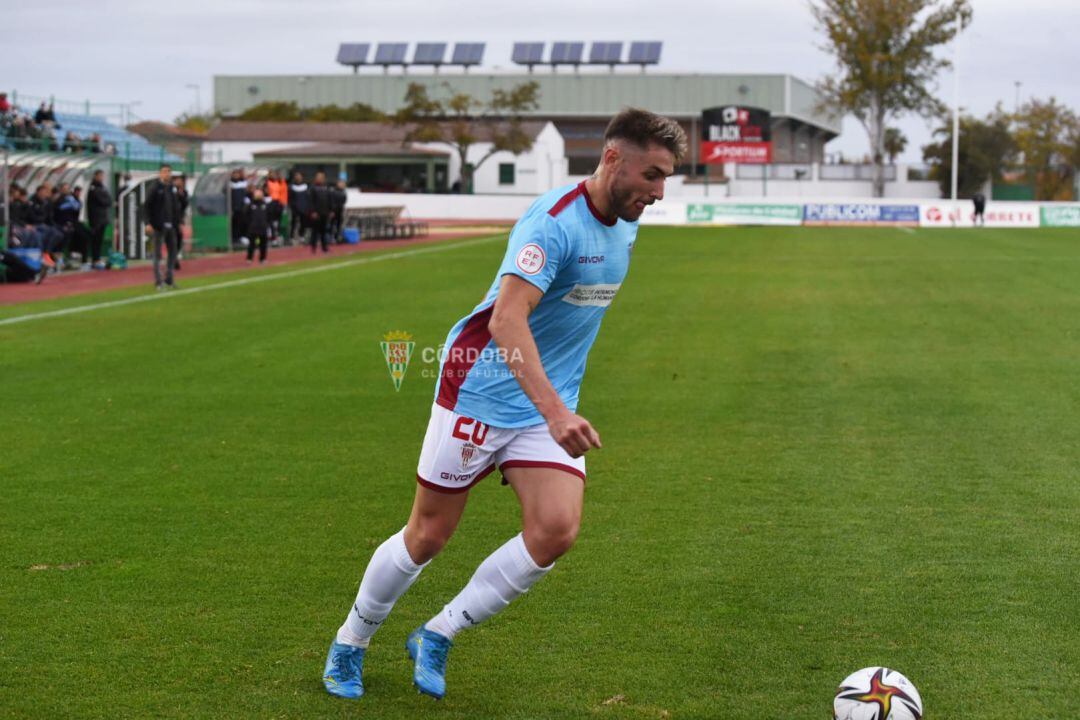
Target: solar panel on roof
(605, 53)
(353, 53)
(567, 53)
(528, 53)
(390, 54)
(645, 53)
(429, 54)
(468, 53)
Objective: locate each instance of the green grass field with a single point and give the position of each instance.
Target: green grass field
(823, 449)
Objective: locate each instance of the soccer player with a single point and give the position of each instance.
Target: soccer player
(506, 398)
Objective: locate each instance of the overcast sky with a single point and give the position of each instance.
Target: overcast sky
(148, 52)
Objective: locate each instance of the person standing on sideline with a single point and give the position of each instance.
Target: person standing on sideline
(322, 213)
(257, 228)
(341, 197)
(299, 207)
(182, 196)
(238, 200)
(507, 398)
(162, 210)
(979, 200)
(277, 194)
(99, 205)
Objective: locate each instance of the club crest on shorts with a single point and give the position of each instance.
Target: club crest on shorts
(467, 452)
(397, 348)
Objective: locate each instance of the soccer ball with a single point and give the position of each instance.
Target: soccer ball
(877, 693)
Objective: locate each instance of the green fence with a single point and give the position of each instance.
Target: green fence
(1010, 191)
(210, 232)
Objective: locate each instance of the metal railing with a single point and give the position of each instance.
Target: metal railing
(776, 171)
(121, 113)
(854, 172)
(122, 152)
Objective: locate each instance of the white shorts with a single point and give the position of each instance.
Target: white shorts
(459, 452)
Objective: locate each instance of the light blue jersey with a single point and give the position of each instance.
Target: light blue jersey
(562, 246)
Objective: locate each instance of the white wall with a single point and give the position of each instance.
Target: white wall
(540, 169)
(243, 151)
(804, 190)
(508, 208)
(838, 189)
(489, 208)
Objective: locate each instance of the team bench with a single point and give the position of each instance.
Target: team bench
(381, 223)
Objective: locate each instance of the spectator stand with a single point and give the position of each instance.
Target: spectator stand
(94, 127)
(79, 139)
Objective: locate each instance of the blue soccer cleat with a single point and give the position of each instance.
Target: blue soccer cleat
(428, 650)
(343, 675)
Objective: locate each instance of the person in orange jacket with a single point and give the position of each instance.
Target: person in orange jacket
(277, 190)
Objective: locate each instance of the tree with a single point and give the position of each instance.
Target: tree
(986, 147)
(273, 111)
(1046, 134)
(895, 142)
(357, 112)
(884, 52)
(196, 123)
(459, 120)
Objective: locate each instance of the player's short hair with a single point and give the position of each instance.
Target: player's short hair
(643, 128)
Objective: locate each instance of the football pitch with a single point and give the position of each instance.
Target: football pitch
(824, 449)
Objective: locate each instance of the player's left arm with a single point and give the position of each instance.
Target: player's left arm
(509, 327)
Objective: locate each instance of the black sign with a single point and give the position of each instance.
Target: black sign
(736, 134)
(734, 123)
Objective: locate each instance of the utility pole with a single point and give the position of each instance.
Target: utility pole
(198, 101)
(956, 107)
(6, 189)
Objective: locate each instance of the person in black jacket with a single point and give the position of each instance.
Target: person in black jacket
(257, 225)
(99, 205)
(299, 207)
(40, 213)
(322, 213)
(182, 195)
(19, 207)
(979, 201)
(238, 200)
(341, 196)
(162, 211)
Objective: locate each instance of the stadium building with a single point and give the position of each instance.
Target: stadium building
(577, 102)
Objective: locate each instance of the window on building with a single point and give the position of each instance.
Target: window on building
(506, 173)
(582, 165)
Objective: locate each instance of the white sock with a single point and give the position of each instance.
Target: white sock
(504, 574)
(389, 574)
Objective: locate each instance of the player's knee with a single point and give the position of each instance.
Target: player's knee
(553, 538)
(425, 540)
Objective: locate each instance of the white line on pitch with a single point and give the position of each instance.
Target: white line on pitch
(909, 231)
(244, 281)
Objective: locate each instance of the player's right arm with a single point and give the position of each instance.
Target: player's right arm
(509, 327)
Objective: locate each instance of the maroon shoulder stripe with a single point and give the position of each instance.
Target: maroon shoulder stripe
(565, 200)
(462, 355)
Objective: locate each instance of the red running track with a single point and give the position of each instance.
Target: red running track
(79, 283)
